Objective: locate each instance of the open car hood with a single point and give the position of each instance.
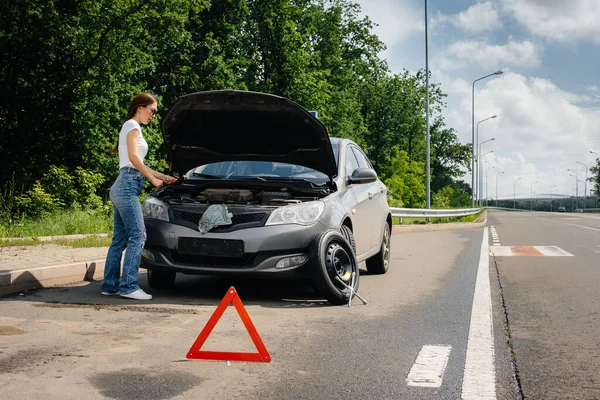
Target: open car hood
(231, 125)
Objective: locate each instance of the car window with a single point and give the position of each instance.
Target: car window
(336, 151)
(363, 161)
(351, 163)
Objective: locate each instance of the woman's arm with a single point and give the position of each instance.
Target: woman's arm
(136, 160)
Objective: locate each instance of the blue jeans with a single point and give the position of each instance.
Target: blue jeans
(130, 233)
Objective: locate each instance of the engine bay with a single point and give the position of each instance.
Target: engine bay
(210, 196)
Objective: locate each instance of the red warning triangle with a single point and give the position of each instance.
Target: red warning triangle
(230, 297)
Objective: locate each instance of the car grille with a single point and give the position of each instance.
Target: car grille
(247, 260)
(192, 218)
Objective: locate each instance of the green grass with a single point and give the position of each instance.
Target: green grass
(64, 222)
(411, 221)
(91, 241)
(20, 242)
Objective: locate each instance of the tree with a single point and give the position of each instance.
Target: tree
(449, 158)
(407, 184)
(595, 178)
(70, 68)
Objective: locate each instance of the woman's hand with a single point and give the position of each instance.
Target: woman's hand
(167, 179)
(157, 183)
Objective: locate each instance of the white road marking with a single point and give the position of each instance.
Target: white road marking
(428, 369)
(529, 251)
(495, 238)
(586, 227)
(479, 380)
(579, 226)
(501, 251)
(553, 251)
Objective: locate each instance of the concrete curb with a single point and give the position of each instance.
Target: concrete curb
(53, 238)
(441, 227)
(39, 277)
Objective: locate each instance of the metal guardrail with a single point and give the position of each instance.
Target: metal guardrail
(423, 212)
(505, 208)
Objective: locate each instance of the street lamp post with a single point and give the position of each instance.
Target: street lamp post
(478, 157)
(576, 188)
(585, 184)
(499, 72)
(427, 152)
(498, 174)
(598, 154)
(487, 183)
(479, 168)
(551, 197)
(532, 194)
(515, 192)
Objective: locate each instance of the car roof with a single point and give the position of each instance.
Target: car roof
(339, 141)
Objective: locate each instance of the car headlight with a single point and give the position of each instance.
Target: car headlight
(303, 214)
(154, 208)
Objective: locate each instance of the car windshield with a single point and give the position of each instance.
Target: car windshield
(256, 169)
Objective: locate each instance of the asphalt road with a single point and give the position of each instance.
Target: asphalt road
(553, 302)
(71, 342)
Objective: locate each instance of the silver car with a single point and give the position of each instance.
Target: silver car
(263, 191)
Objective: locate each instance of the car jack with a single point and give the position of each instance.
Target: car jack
(352, 292)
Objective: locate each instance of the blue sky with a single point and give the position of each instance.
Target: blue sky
(547, 101)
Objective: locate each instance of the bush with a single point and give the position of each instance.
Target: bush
(37, 202)
(8, 203)
(60, 189)
(441, 199)
(87, 184)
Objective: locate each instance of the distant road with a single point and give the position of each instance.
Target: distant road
(552, 300)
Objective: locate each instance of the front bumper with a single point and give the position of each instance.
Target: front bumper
(263, 247)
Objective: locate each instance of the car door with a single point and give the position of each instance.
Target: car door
(362, 213)
(377, 193)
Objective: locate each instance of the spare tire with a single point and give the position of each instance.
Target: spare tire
(332, 257)
(347, 233)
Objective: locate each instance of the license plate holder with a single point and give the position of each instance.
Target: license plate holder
(211, 247)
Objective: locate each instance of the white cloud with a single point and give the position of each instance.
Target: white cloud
(541, 131)
(467, 52)
(396, 20)
(561, 20)
(480, 17)
(592, 95)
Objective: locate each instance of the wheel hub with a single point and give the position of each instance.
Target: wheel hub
(338, 262)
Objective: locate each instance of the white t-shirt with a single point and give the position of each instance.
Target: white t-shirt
(127, 127)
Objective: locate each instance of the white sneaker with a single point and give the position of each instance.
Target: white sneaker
(138, 295)
(110, 293)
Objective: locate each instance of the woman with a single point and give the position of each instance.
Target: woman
(129, 231)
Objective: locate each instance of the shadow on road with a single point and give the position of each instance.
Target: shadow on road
(189, 291)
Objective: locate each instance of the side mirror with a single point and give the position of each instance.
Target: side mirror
(362, 175)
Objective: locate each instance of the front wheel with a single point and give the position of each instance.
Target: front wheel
(379, 263)
(333, 267)
(158, 279)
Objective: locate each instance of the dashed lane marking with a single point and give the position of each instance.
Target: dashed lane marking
(495, 238)
(529, 251)
(428, 369)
